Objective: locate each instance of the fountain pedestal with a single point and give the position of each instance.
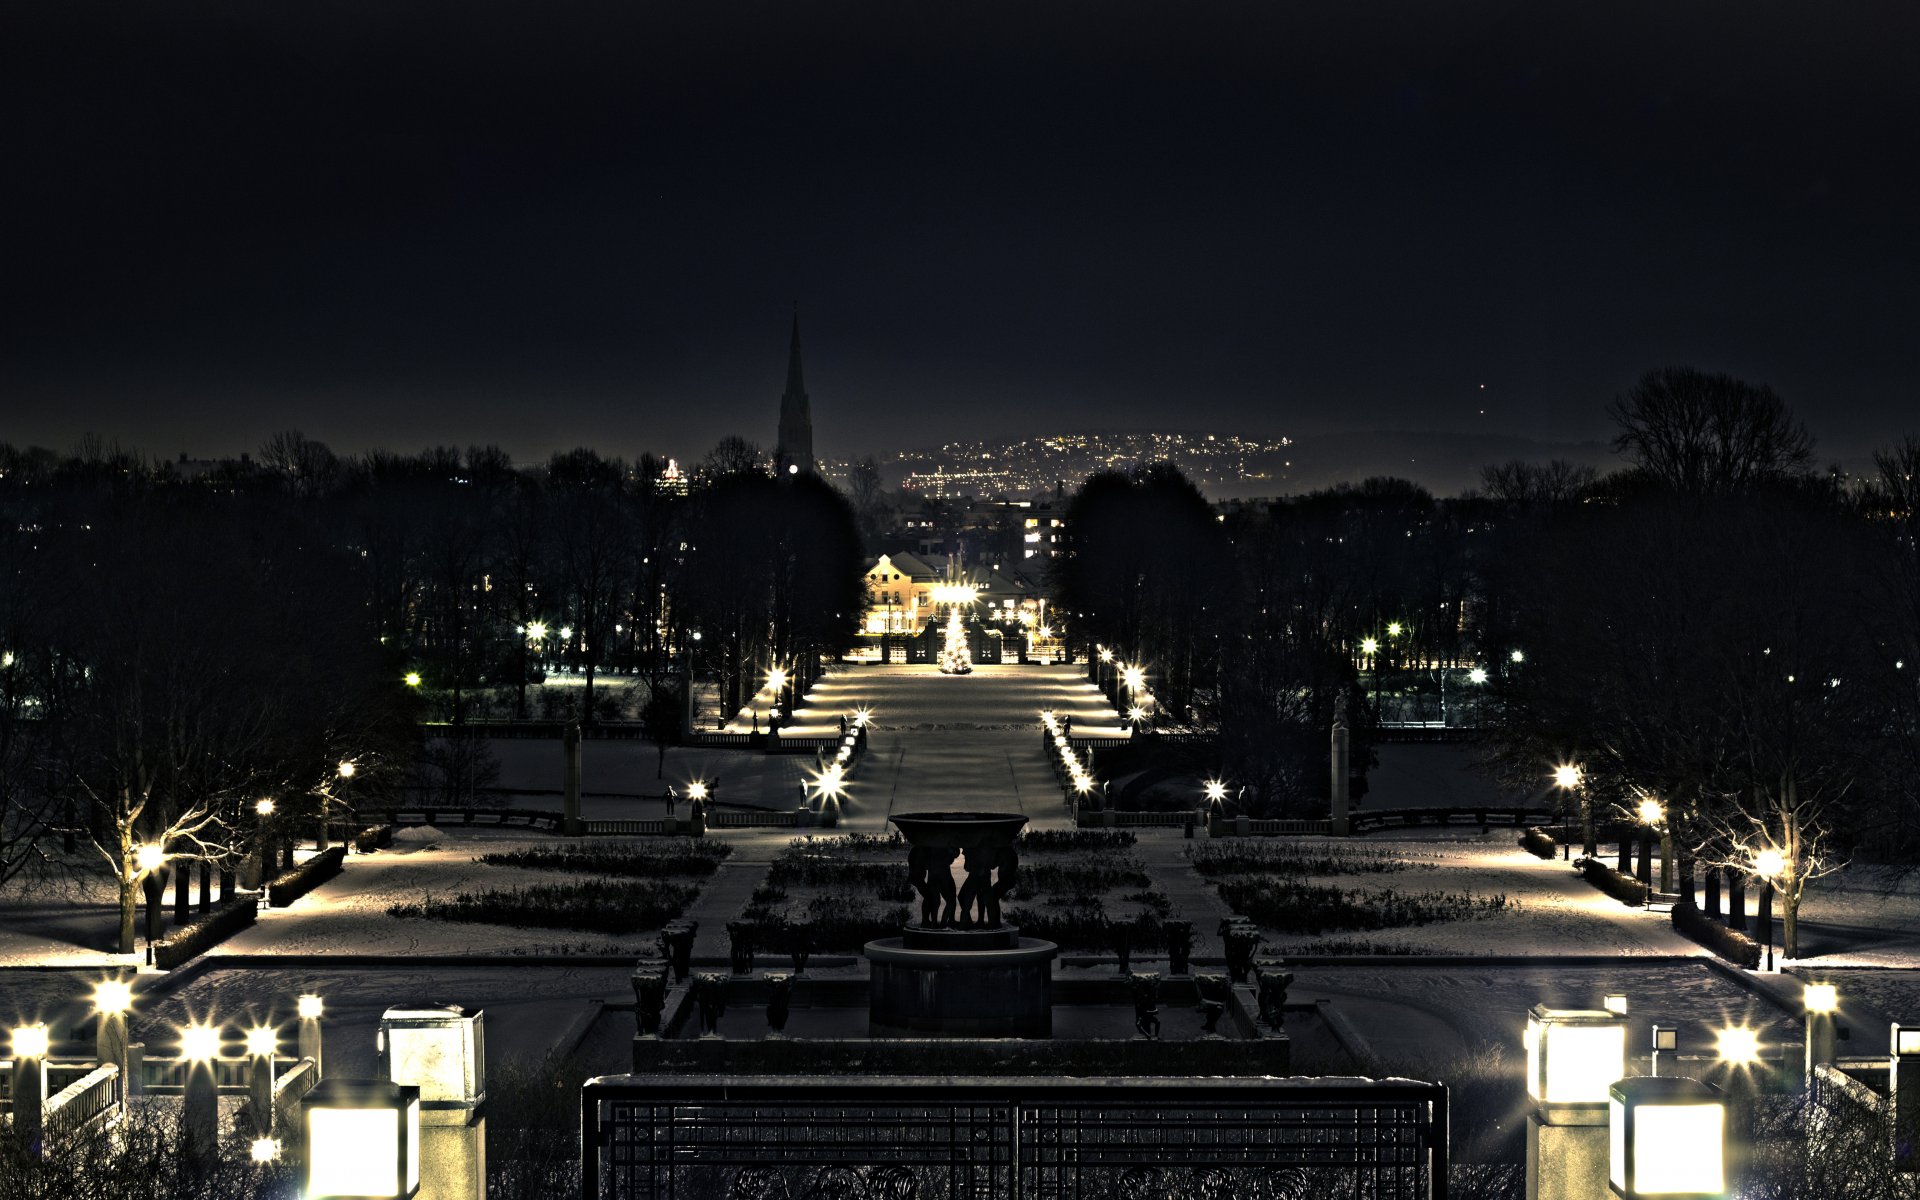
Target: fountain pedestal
(960, 972)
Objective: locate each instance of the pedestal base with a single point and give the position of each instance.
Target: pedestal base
(974, 983)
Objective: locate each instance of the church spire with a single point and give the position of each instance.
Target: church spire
(793, 452)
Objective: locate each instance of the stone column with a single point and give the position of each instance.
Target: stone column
(571, 746)
(30, 1100)
(1341, 824)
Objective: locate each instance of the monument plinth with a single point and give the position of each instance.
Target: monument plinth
(960, 970)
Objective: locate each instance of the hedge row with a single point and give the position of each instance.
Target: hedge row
(374, 837)
(1730, 944)
(1624, 888)
(1539, 843)
(190, 941)
(306, 877)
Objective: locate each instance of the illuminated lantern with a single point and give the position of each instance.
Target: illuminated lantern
(1574, 1055)
(1667, 1138)
(363, 1140)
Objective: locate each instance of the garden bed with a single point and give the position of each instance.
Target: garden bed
(697, 857)
(601, 905)
(851, 890)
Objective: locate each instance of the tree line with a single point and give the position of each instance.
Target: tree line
(174, 650)
(1719, 626)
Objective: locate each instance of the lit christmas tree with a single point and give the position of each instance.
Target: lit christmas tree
(955, 658)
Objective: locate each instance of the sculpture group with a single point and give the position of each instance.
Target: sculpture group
(991, 873)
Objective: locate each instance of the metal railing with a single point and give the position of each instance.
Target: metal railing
(757, 820)
(1022, 1138)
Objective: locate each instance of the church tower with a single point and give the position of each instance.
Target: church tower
(793, 453)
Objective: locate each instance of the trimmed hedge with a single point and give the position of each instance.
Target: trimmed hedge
(1624, 888)
(1537, 842)
(374, 837)
(306, 877)
(1730, 944)
(190, 941)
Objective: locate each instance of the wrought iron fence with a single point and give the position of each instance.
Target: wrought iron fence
(661, 1138)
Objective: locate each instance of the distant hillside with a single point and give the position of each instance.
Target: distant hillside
(1443, 463)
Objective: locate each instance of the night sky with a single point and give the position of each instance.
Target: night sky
(399, 223)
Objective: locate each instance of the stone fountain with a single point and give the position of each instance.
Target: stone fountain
(960, 970)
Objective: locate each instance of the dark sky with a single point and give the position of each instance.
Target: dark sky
(544, 224)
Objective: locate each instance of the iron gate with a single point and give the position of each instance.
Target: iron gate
(665, 1138)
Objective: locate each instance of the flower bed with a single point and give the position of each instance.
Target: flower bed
(1289, 906)
(1243, 856)
(602, 905)
(680, 856)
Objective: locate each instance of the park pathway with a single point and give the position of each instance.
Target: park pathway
(967, 743)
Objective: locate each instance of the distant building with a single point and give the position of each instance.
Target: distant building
(900, 591)
(793, 452)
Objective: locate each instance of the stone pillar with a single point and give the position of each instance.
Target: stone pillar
(1822, 1034)
(1341, 824)
(200, 1114)
(260, 1093)
(1567, 1154)
(310, 1043)
(30, 1101)
(453, 1156)
(571, 745)
(1903, 1085)
(110, 1047)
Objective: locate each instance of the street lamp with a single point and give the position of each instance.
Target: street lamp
(413, 679)
(1134, 677)
(148, 859)
(1369, 646)
(1666, 1137)
(1769, 864)
(1517, 656)
(1737, 1046)
(1477, 675)
(1216, 789)
(1568, 777)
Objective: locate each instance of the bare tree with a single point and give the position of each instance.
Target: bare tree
(1706, 434)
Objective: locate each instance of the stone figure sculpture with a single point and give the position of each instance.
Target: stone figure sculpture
(779, 998)
(1273, 982)
(1006, 874)
(1146, 1003)
(930, 871)
(1241, 939)
(1120, 940)
(797, 938)
(1179, 946)
(676, 946)
(740, 945)
(649, 996)
(1214, 991)
(710, 993)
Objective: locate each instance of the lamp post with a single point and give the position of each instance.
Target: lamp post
(1573, 1056)
(1651, 815)
(31, 1044)
(1768, 864)
(346, 771)
(1666, 1138)
(1666, 1040)
(1822, 1003)
(310, 1043)
(111, 1000)
(1569, 778)
(262, 1041)
(1903, 1086)
(263, 833)
(148, 861)
(200, 1105)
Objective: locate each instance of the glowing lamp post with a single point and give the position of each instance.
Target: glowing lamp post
(1769, 864)
(148, 861)
(1903, 1085)
(1666, 1138)
(262, 1042)
(1573, 1057)
(437, 1050)
(1569, 779)
(311, 1044)
(363, 1140)
(31, 1044)
(200, 1106)
(1822, 1002)
(111, 1000)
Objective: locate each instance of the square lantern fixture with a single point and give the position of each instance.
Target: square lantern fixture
(1666, 1039)
(363, 1140)
(1906, 1041)
(1574, 1054)
(1666, 1138)
(438, 1048)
